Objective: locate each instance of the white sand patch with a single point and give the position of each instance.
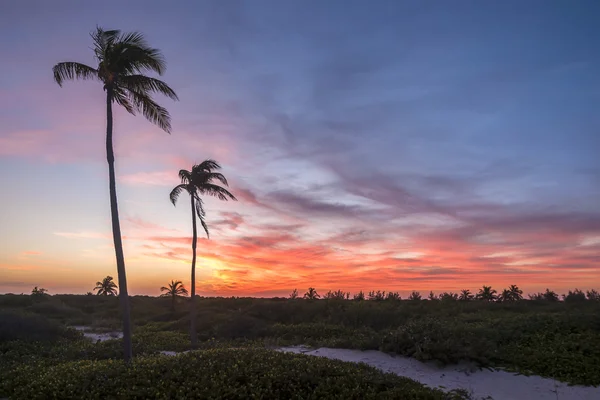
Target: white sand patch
(98, 336)
(172, 353)
(482, 384)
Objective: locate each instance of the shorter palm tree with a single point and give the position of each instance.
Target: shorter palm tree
(311, 294)
(516, 294)
(174, 290)
(466, 295)
(415, 296)
(486, 293)
(106, 287)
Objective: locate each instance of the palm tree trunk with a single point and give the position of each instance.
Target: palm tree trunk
(193, 337)
(116, 228)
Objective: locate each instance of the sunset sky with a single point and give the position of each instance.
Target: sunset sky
(393, 145)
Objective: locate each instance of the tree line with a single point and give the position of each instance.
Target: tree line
(485, 293)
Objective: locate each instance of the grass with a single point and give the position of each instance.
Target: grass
(551, 339)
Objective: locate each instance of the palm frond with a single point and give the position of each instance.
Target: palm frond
(185, 175)
(146, 85)
(136, 58)
(73, 70)
(121, 98)
(206, 165)
(216, 191)
(152, 111)
(203, 222)
(174, 195)
(199, 206)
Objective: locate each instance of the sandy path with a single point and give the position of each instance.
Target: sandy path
(500, 385)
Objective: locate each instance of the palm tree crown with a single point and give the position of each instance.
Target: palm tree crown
(199, 181)
(486, 293)
(106, 287)
(122, 59)
(174, 289)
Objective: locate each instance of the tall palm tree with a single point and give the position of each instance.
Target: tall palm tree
(197, 182)
(486, 293)
(122, 59)
(174, 290)
(106, 287)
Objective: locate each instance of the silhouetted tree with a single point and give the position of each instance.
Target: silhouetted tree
(294, 294)
(550, 295)
(575, 296)
(39, 291)
(415, 296)
(432, 296)
(360, 296)
(516, 294)
(122, 61)
(593, 295)
(106, 287)
(377, 295)
(311, 294)
(197, 182)
(466, 295)
(486, 293)
(393, 296)
(174, 290)
(337, 295)
(448, 296)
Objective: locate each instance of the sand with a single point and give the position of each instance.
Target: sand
(98, 336)
(482, 384)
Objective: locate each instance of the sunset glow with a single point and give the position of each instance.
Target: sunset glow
(370, 146)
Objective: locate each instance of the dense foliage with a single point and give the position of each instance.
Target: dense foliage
(221, 374)
(558, 339)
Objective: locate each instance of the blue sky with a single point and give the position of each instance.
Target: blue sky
(396, 143)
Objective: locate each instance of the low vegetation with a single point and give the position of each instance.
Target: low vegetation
(558, 339)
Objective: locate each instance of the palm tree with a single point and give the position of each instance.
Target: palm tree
(311, 294)
(516, 294)
(174, 290)
(199, 181)
(106, 287)
(486, 293)
(122, 59)
(466, 295)
(415, 296)
(294, 294)
(39, 291)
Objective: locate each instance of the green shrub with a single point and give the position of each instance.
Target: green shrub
(220, 374)
(15, 325)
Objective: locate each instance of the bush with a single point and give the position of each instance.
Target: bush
(16, 325)
(221, 374)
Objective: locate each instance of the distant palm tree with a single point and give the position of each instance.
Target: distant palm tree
(486, 293)
(516, 294)
(432, 296)
(294, 294)
(122, 60)
(38, 291)
(197, 182)
(415, 296)
(550, 295)
(466, 295)
(311, 294)
(360, 296)
(106, 287)
(174, 290)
